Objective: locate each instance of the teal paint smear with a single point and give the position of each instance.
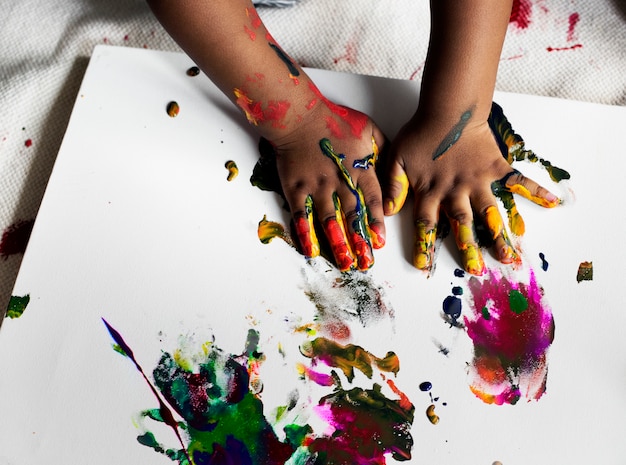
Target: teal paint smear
(17, 305)
(453, 136)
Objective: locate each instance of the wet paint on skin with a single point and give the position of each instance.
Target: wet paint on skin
(424, 248)
(513, 147)
(585, 272)
(348, 357)
(233, 170)
(275, 111)
(305, 230)
(15, 238)
(453, 135)
(268, 230)
(356, 120)
(335, 232)
(369, 160)
(252, 110)
(17, 305)
(396, 204)
(496, 227)
(470, 253)
(512, 328)
(516, 222)
(361, 234)
(293, 70)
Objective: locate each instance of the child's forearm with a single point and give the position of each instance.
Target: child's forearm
(228, 41)
(463, 56)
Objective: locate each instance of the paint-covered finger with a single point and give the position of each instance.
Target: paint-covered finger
(395, 189)
(335, 230)
(305, 230)
(504, 250)
(426, 214)
(370, 196)
(471, 255)
(358, 230)
(517, 183)
(516, 222)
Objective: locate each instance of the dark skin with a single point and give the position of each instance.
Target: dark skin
(228, 41)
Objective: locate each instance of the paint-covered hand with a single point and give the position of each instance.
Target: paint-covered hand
(456, 168)
(327, 173)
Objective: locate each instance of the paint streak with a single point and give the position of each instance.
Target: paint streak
(562, 49)
(333, 126)
(512, 329)
(356, 120)
(470, 252)
(520, 14)
(361, 234)
(349, 55)
(369, 160)
(585, 272)
(335, 231)
(544, 262)
(17, 305)
(513, 147)
(573, 20)
(232, 168)
(305, 231)
(275, 110)
(268, 230)
(15, 238)
(507, 253)
(348, 357)
(424, 246)
(453, 136)
(252, 110)
(250, 32)
(293, 70)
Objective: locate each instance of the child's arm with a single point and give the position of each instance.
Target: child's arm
(446, 152)
(228, 41)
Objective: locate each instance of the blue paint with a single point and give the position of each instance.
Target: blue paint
(459, 273)
(452, 307)
(457, 290)
(426, 386)
(544, 263)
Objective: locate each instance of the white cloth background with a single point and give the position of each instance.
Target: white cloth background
(570, 49)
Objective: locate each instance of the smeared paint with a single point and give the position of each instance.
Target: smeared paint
(268, 230)
(15, 238)
(335, 231)
(395, 204)
(512, 329)
(432, 416)
(562, 49)
(453, 136)
(293, 69)
(193, 71)
(520, 13)
(516, 222)
(348, 357)
(544, 262)
(232, 168)
(361, 235)
(224, 420)
(173, 109)
(356, 120)
(369, 160)
(585, 272)
(513, 147)
(573, 20)
(17, 305)
(305, 231)
(275, 111)
(424, 246)
(496, 226)
(470, 252)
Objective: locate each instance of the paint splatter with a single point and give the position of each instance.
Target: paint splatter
(17, 305)
(233, 170)
(573, 20)
(224, 420)
(275, 111)
(15, 238)
(585, 272)
(193, 71)
(28, 143)
(425, 386)
(268, 230)
(520, 13)
(512, 329)
(173, 109)
(453, 136)
(544, 262)
(431, 415)
(562, 49)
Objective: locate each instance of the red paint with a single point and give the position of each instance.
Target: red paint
(356, 120)
(350, 55)
(250, 32)
(573, 21)
(363, 252)
(405, 403)
(377, 236)
(304, 236)
(126, 37)
(520, 13)
(255, 21)
(333, 126)
(560, 49)
(15, 238)
(275, 112)
(339, 245)
(28, 142)
(311, 104)
(337, 330)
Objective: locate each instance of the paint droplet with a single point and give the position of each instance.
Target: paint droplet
(28, 142)
(517, 301)
(459, 273)
(585, 272)
(485, 313)
(17, 305)
(426, 386)
(432, 416)
(173, 109)
(233, 171)
(193, 71)
(452, 307)
(457, 290)
(544, 263)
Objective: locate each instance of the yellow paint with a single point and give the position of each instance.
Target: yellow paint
(232, 168)
(521, 190)
(494, 221)
(268, 230)
(432, 416)
(395, 205)
(471, 256)
(516, 222)
(315, 244)
(243, 101)
(424, 247)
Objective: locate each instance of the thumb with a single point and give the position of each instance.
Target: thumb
(395, 188)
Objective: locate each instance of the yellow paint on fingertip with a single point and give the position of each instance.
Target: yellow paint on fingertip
(315, 244)
(398, 201)
(524, 192)
(494, 221)
(473, 260)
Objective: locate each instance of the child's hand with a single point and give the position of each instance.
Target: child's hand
(326, 168)
(459, 176)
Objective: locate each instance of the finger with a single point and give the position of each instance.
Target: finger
(425, 234)
(305, 231)
(358, 231)
(395, 190)
(516, 222)
(504, 250)
(335, 230)
(517, 183)
(460, 215)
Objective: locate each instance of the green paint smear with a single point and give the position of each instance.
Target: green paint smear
(485, 313)
(517, 301)
(17, 305)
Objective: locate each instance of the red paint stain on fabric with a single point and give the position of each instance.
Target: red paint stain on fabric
(561, 49)
(574, 18)
(28, 142)
(15, 238)
(520, 13)
(349, 55)
(356, 120)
